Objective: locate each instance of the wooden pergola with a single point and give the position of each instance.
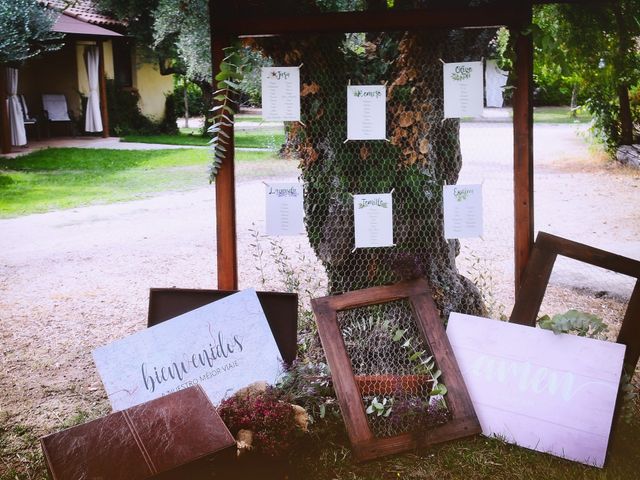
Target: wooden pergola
(227, 24)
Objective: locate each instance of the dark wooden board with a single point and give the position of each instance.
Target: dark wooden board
(281, 310)
(536, 278)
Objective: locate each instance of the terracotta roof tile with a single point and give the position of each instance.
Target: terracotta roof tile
(84, 10)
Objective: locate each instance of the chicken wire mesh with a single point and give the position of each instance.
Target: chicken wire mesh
(420, 155)
(393, 367)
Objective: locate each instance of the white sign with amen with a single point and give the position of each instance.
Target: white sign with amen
(548, 392)
(281, 94)
(222, 346)
(463, 89)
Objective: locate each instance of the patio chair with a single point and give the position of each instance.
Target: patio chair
(56, 112)
(29, 122)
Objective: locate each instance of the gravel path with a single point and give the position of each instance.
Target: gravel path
(73, 280)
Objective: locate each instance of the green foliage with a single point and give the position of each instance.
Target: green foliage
(26, 30)
(226, 96)
(574, 321)
(126, 118)
(593, 47)
(195, 100)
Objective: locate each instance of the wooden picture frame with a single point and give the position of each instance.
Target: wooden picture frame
(538, 271)
(365, 444)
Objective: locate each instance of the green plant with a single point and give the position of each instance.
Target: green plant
(382, 407)
(228, 78)
(573, 321)
(423, 364)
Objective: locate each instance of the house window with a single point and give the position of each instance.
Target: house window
(122, 65)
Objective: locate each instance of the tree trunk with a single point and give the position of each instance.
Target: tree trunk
(574, 101)
(186, 102)
(422, 155)
(625, 46)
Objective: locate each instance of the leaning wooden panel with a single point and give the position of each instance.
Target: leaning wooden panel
(536, 278)
(397, 381)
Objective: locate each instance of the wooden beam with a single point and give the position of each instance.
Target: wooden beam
(507, 13)
(523, 148)
(5, 126)
(227, 252)
(104, 107)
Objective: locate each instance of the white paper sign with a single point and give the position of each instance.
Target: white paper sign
(366, 112)
(551, 393)
(463, 89)
(222, 346)
(462, 205)
(281, 94)
(373, 218)
(285, 211)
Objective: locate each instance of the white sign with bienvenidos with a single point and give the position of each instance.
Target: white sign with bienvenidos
(463, 89)
(373, 220)
(281, 94)
(285, 211)
(366, 112)
(547, 392)
(462, 206)
(222, 346)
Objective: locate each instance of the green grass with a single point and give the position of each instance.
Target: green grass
(559, 115)
(58, 178)
(191, 137)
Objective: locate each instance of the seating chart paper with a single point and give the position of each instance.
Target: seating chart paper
(373, 216)
(285, 211)
(366, 112)
(281, 94)
(463, 89)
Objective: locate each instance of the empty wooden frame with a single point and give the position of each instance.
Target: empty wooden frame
(366, 445)
(536, 278)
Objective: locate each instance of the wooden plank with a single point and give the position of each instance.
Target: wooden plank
(630, 331)
(104, 106)
(370, 21)
(590, 255)
(533, 286)
(227, 252)
(341, 372)
(523, 147)
(5, 126)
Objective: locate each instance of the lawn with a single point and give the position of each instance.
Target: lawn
(559, 115)
(270, 138)
(59, 178)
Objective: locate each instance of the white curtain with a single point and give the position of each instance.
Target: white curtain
(16, 118)
(495, 80)
(93, 118)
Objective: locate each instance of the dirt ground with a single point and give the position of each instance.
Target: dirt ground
(73, 280)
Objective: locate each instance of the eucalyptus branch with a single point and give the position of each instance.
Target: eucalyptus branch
(229, 77)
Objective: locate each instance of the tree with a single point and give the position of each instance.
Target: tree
(26, 30)
(422, 154)
(597, 45)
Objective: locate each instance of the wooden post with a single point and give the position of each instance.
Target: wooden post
(523, 147)
(227, 252)
(104, 110)
(5, 127)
